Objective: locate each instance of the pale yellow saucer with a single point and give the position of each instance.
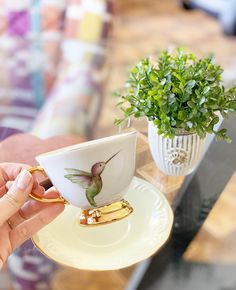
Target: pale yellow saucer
(112, 246)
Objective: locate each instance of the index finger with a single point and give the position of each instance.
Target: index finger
(17, 195)
(9, 171)
(3, 181)
(12, 170)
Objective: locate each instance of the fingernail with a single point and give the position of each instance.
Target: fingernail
(23, 180)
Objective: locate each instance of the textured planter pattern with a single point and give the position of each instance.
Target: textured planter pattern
(177, 156)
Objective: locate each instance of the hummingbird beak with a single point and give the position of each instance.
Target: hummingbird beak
(111, 157)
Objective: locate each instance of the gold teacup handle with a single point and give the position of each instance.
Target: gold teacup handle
(43, 199)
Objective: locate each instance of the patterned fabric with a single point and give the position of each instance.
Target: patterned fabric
(52, 49)
(5, 279)
(30, 34)
(75, 101)
(29, 269)
(37, 65)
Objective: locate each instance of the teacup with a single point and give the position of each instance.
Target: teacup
(93, 176)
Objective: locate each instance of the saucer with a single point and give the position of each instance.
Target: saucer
(112, 246)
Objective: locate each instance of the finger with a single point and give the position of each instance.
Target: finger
(37, 189)
(28, 209)
(9, 171)
(32, 207)
(3, 180)
(17, 195)
(5, 245)
(30, 227)
(9, 184)
(3, 190)
(12, 170)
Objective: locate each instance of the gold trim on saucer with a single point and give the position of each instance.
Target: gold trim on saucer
(105, 214)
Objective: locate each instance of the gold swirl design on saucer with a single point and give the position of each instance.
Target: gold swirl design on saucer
(105, 214)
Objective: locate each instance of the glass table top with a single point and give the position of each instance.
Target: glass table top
(200, 253)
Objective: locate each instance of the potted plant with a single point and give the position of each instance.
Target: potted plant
(183, 98)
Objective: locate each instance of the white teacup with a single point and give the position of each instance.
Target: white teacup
(93, 176)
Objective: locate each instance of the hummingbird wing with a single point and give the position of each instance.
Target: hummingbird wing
(93, 190)
(83, 178)
(77, 171)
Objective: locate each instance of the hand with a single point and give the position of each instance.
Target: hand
(21, 218)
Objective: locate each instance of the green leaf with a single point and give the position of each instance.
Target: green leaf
(201, 132)
(118, 121)
(189, 124)
(221, 135)
(182, 115)
(202, 100)
(206, 90)
(197, 92)
(176, 91)
(190, 84)
(178, 76)
(163, 81)
(191, 104)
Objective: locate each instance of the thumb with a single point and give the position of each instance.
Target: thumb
(17, 195)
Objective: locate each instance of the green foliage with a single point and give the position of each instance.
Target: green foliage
(179, 91)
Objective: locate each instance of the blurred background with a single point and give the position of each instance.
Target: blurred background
(56, 80)
(143, 28)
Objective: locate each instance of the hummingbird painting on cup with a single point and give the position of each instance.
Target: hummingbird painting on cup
(90, 181)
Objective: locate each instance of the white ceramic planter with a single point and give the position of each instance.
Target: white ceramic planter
(177, 156)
